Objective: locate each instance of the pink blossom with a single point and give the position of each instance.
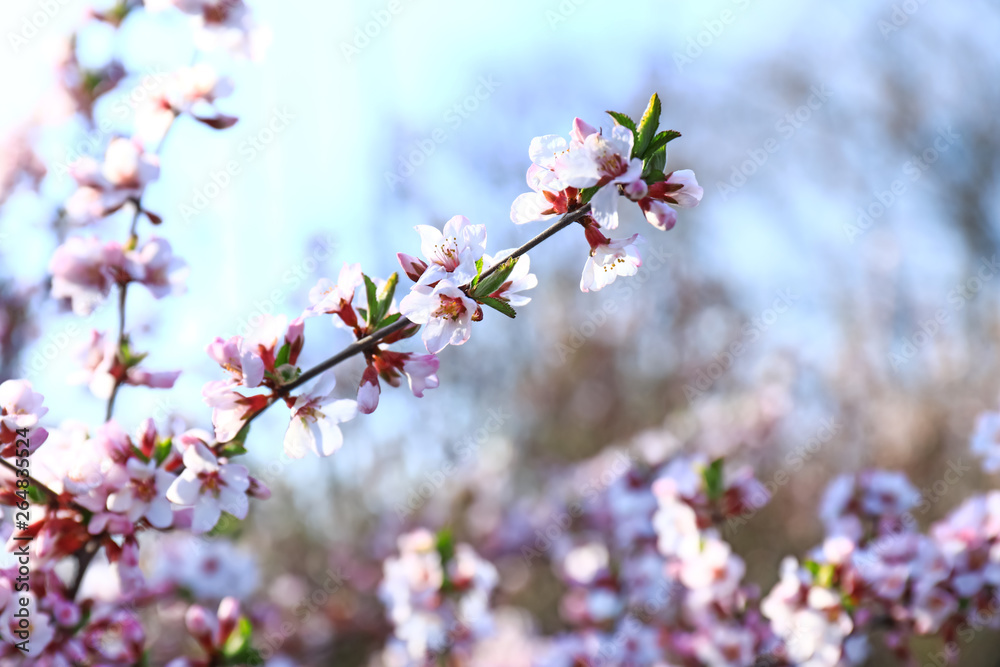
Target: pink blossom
(20, 408)
(314, 421)
(369, 391)
(143, 494)
(104, 188)
(445, 311)
(604, 161)
(336, 298)
(84, 269)
(680, 188)
(608, 260)
(210, 487)
(421, 372)
(103, 369)
(452, 252)
(158, 269)
(244, 365)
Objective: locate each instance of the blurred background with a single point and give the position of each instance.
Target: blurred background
(833, 298)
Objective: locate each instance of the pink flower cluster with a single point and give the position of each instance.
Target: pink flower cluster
(63, 632)
(437, 598)
(600, 168)
(85, 269)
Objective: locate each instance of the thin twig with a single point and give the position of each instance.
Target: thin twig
(122, 294)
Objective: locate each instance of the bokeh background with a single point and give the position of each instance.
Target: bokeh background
(849, 155)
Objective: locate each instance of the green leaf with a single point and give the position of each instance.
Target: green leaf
(654, 177)
(812, 566)
(498, 304)
(712, 475)
(662, 139)
(385, 296)
(495, 280)
(139, 455)
(655, 163)
(162, 450)
(389, 319)
(283, 355)
(236, 446)
(372, 299)
(623, 120)
(648, 125)
(479, 272)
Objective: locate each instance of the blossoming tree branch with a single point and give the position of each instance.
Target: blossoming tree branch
(648, 577)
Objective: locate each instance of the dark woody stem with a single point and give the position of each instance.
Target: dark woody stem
(371, 340)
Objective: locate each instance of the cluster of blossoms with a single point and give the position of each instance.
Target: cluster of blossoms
(651, 580)
(100, 495)
(226, 24)
(600, 168)
(63, 631)
(437, 597)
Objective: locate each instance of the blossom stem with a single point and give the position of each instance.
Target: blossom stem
(365, 344)
(83, 557)
(122, 294)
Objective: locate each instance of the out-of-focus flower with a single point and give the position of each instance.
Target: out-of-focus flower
(84, 269)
